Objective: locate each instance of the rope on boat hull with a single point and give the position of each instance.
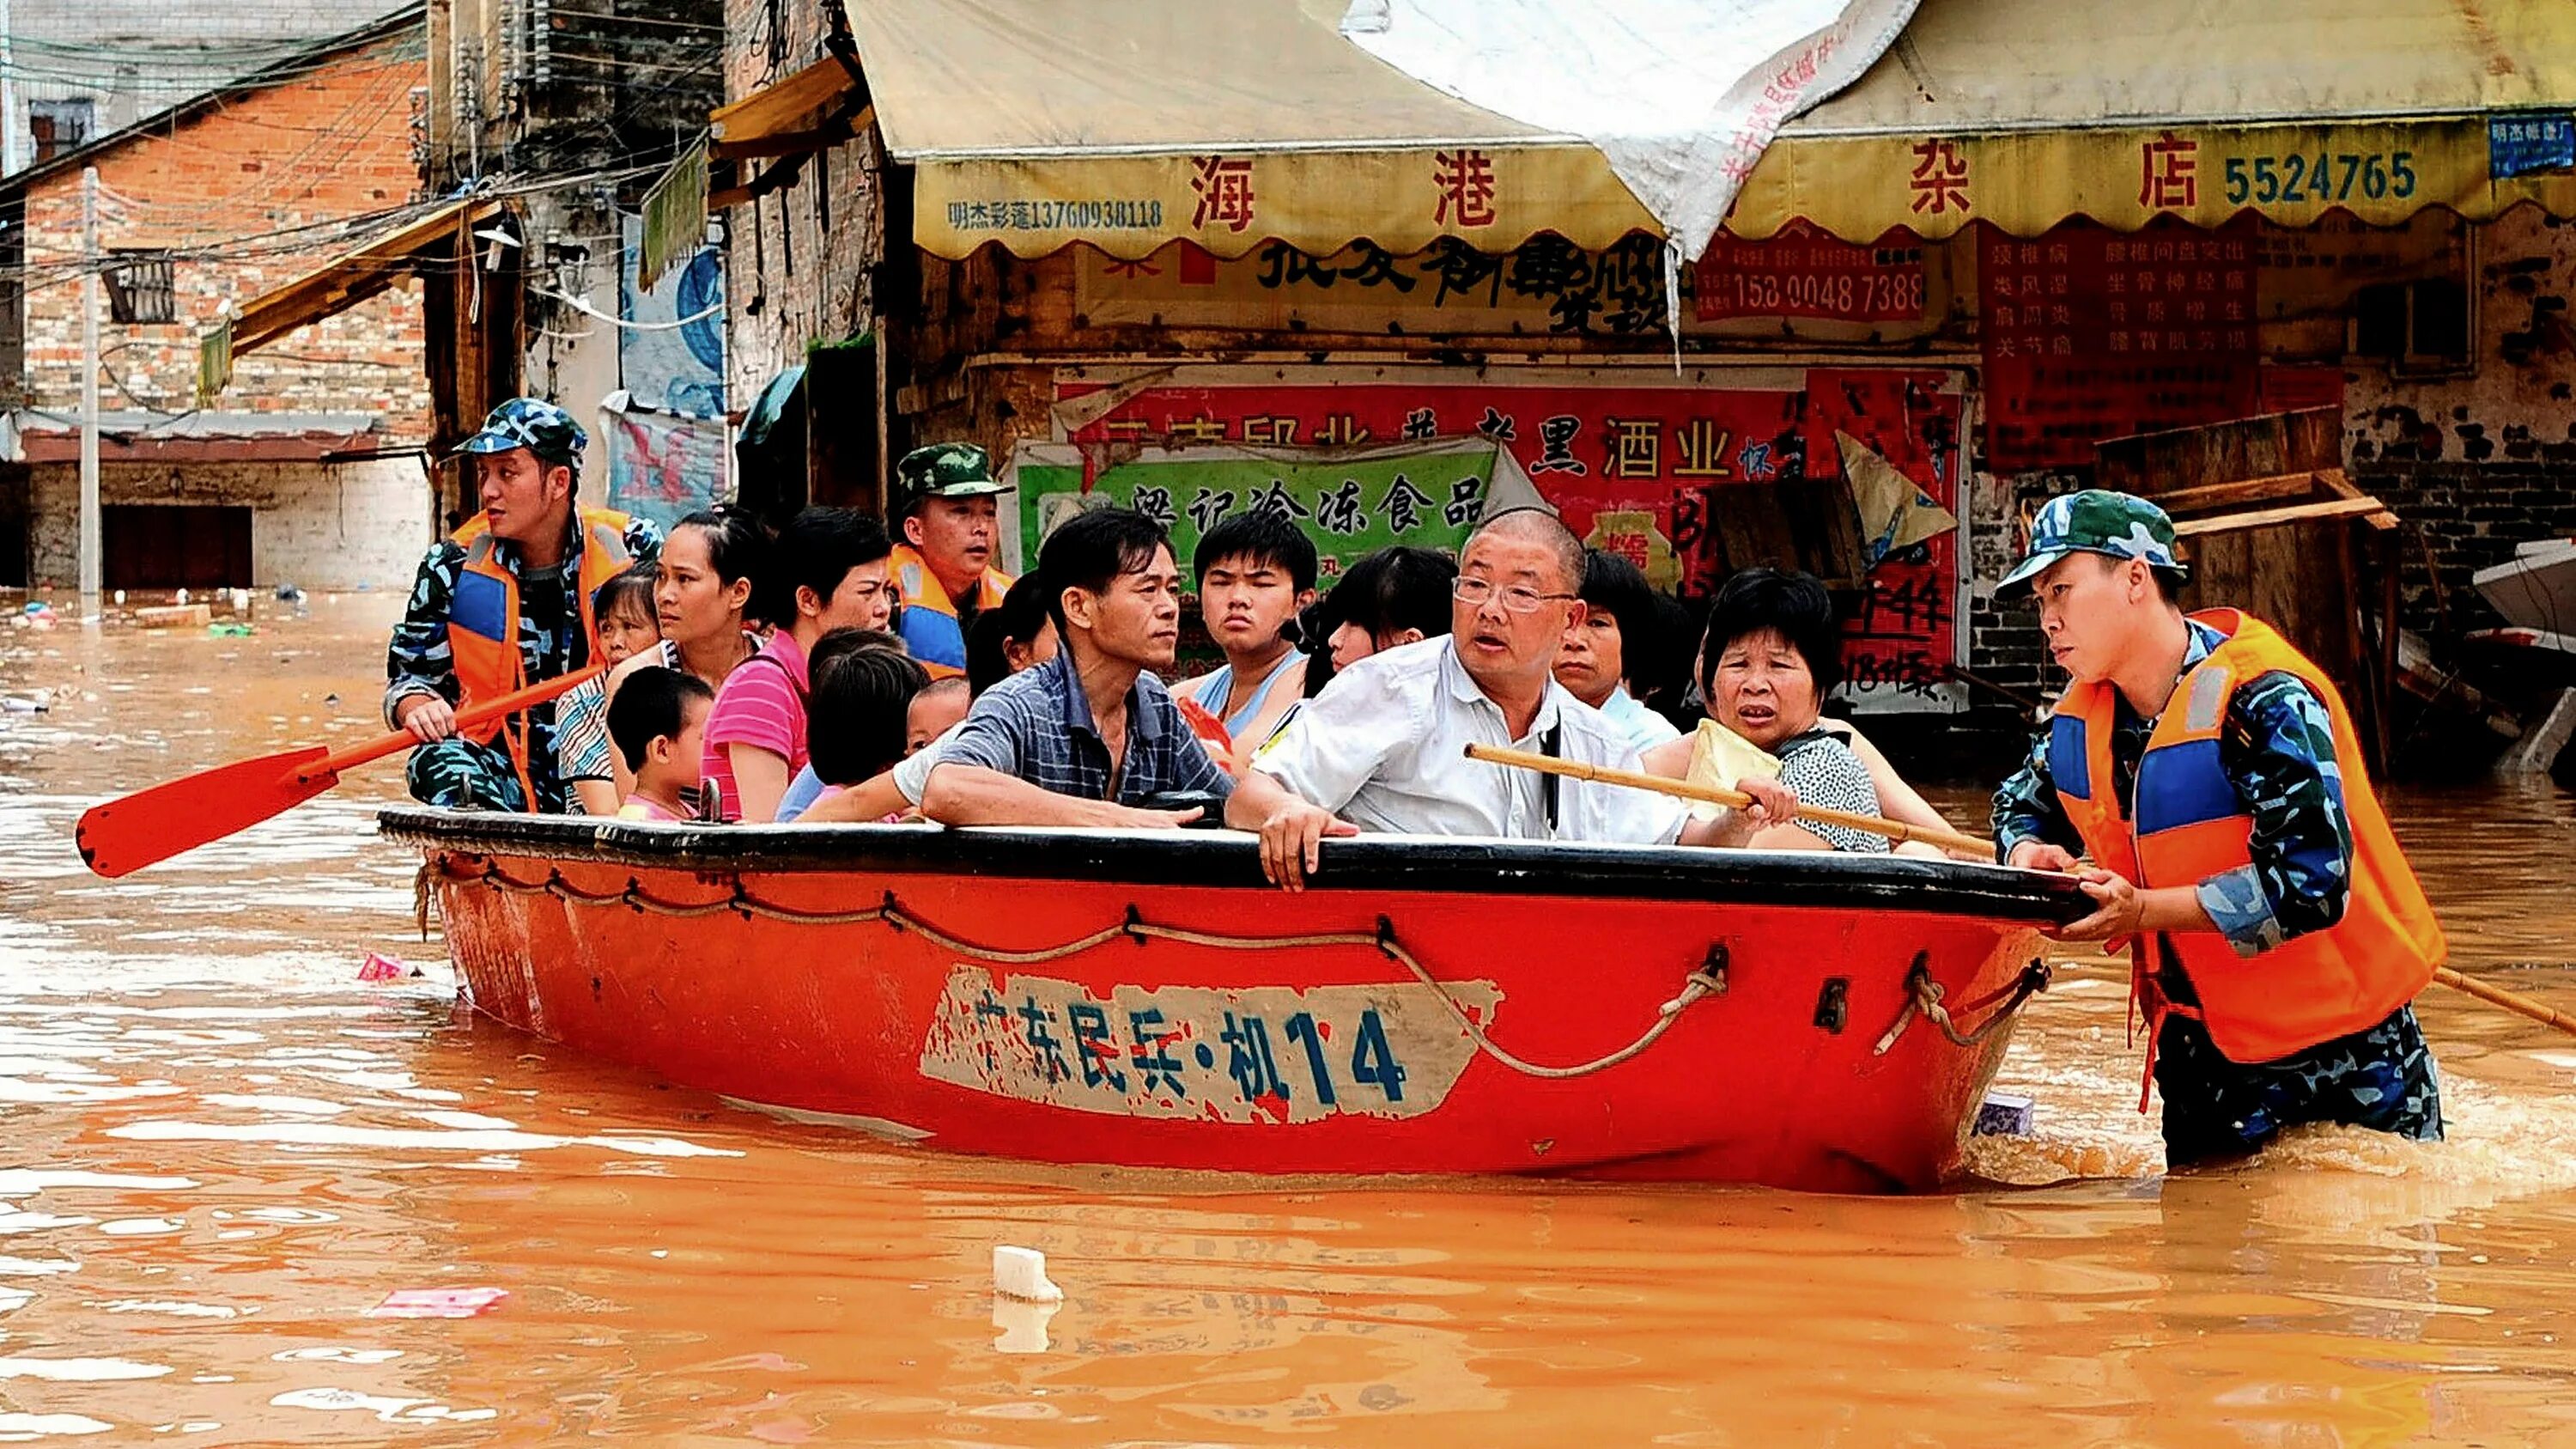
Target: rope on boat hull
(1708, 979)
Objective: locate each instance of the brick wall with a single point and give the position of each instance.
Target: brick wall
(799, 262)
(332, 144)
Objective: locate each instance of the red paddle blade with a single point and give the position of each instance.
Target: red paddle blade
(1205, 725)
(125, 835)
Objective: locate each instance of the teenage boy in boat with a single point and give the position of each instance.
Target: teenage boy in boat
(1088, 736)
(1384, 743)
(2212, 774)
(943, 562)
(828, 572)
(1592, 660)
(1255, 571)
(504, 604)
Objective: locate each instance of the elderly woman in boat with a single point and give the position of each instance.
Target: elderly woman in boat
(1771, 655)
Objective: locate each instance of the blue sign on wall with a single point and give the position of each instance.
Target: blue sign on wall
(2522, 142)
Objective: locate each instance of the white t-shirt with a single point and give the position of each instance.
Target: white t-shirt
(1385, 747)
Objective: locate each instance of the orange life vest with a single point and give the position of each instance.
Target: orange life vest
(929, 623)
(483, 623)
(2188, 825)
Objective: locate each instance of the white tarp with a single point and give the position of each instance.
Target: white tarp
(1680, 95)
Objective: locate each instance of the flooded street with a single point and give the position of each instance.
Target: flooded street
(220, 1151)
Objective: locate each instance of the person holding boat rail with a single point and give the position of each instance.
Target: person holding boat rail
(1089, 736)
(1384, 743)
(504, 604)
(2212, 774)
(947, 526)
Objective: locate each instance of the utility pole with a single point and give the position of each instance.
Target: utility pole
(8, 94)
(89, 532)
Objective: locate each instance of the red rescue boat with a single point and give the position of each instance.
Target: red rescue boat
(1142, 998)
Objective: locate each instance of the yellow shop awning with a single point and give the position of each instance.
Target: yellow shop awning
(327, 290)
(1034, 125)
(2022, 113)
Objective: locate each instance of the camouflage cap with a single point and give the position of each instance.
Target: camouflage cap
(531, 423)
(2117, 525)
(945, 470)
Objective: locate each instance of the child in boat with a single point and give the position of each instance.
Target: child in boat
(2277, 934)
(861, 706)
(628, 625)
(659, 722)
(934, 711)
(1255, 571)
(1010, 638)
(807, 787)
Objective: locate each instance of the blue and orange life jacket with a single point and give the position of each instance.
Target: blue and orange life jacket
(2188, 825)
(929, 624)
(483, 623)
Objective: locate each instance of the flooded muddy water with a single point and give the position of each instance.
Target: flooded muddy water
(222, 1155)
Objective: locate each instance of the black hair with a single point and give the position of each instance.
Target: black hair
(1263, 536)
(652, 703)
(738, 545)
(1392, 590)
(1090, 550)
(1614, 586)
(816, 550)
(1018, 619)
(631, 588)
(1661, 675)
(850, 641)
(1791, 604)
(855, 727)
(1313, 627)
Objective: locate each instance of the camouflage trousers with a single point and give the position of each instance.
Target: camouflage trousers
(463, 775)
(2381, 1078)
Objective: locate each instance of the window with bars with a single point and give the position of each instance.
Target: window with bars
(140, 288)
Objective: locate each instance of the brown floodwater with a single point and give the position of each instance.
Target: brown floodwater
(219, 1150)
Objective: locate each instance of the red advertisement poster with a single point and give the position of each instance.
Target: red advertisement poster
(2093, 334)
(1654, 453)
(1801, 273)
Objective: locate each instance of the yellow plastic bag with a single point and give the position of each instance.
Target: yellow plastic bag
(1720, 757)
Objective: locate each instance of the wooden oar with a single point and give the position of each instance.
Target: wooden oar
(2513, 1001)
(1950, 840)
(124, 835)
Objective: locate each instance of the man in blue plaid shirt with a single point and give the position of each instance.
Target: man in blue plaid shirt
(1088, 736)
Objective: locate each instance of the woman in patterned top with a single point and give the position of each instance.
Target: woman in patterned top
(1771, 655)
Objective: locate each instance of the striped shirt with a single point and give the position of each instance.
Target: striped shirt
(763, 706)
(1036, 726)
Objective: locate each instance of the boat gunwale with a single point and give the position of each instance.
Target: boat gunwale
(1820, 880)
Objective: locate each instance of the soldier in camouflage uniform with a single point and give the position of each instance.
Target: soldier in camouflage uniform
(2104, 566)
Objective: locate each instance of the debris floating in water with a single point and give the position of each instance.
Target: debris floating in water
(437, 1302)
(382, 968)
(2004, 1115)
(1021, 1273)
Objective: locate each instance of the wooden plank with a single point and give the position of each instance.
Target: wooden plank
(2336, 482)
(2266, 517)
(2208, 496)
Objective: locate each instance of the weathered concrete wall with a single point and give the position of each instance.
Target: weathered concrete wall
(339, 526)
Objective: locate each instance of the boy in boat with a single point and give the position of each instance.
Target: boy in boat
(504, 604)
(659, 721)
(2212, 774)
(934, 712)
(1089, 736)
(1592, 660)
(948, 523)
(1255, 571)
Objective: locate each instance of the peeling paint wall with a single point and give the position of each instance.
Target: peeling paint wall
(2479, 463)
(336, 526)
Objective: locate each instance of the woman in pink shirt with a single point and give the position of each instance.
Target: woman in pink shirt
(827, 571)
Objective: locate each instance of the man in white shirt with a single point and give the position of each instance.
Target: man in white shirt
(1384, 746)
